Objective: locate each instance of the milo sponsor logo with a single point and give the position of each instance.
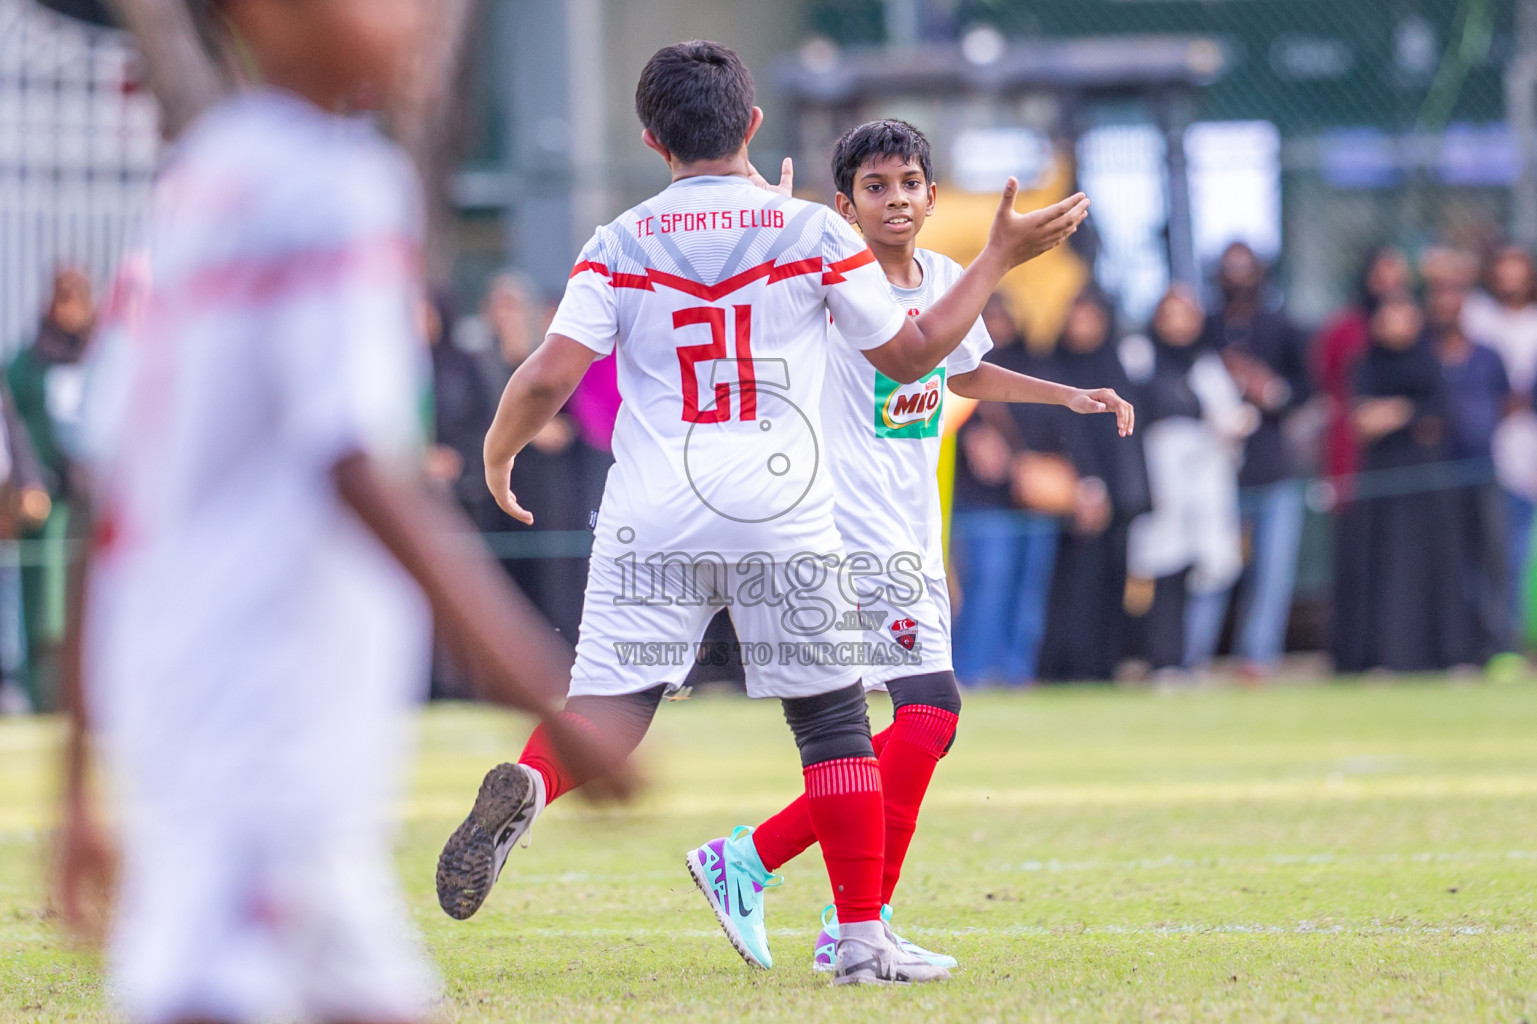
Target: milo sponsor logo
(909, 410)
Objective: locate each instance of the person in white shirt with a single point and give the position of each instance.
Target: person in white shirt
(1190, 544)
(251, 629)
(883, 441)
(714, 297)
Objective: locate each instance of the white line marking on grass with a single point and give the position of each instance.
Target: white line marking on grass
(1275, 859)
(1026, 930)
(1301, 928)
(1322, 789)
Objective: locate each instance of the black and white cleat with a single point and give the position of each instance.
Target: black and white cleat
(511, 797)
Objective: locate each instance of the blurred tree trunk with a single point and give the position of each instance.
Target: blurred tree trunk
(429, 121)
(181, 70)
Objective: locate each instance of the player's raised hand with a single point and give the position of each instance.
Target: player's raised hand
(499, 482)
(786, 186)
(1019, 237)
(1094, 400)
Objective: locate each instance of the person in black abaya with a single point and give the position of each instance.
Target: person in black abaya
(461, 411)
(1412, 616)
(1087, 616)
(551, 467)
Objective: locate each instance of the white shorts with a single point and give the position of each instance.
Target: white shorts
(212, 926)
(913, 613)
(642, 623)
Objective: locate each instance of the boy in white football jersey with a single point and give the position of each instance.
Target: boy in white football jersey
(714, 296)
(882, 441)
(248, 637)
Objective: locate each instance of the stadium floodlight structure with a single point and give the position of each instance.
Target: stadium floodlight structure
(830, 90)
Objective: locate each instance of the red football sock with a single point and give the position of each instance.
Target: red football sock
(539, 755)
(786, 835)
(918, 738)
(844, 800)
(789, 833)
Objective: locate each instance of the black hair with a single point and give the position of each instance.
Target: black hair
(874, 140)
(696, 100)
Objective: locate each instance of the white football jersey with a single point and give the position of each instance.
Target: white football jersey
(714, 297)
(251, 646)
(883, 438)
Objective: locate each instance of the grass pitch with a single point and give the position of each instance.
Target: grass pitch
(1312, 853)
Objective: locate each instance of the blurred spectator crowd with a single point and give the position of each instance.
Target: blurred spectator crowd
(1400, 437)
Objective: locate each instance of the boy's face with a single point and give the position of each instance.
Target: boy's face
(892, 198)
(340, 53)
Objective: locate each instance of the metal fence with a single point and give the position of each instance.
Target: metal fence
(78, 141)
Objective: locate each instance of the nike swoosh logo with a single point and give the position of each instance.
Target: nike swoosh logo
(741, 911)
(518, 817)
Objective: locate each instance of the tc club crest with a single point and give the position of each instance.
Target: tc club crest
(904, 632)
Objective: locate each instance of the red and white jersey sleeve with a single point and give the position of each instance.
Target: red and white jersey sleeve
(588, 312)
(857, 294)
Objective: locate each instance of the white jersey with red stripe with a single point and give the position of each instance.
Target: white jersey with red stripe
(252, 650)
(714, 297)
(883, 438)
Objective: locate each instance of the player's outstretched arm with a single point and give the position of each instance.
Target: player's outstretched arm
(992, 383)
(531, 399)
(925, 340)
(510, 650)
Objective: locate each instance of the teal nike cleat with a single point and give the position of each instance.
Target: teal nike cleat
(732, 877)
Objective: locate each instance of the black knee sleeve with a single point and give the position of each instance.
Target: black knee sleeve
(936, 689)
(830, 726)
(626, 716)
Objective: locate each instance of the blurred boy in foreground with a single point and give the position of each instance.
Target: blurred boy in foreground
(250, 629)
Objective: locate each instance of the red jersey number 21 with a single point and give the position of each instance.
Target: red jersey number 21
(689, 356)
